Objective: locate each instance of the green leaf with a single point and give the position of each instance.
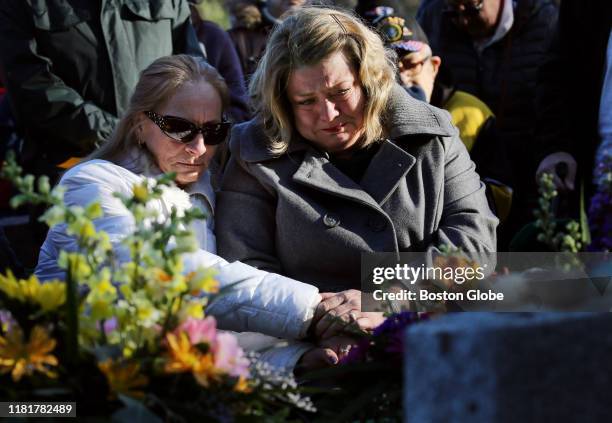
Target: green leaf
(43, 184)
(18, 200)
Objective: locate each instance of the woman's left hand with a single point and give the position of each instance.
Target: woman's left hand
(326, 354)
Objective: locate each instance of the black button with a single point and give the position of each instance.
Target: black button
(331, 220)
(377, 223)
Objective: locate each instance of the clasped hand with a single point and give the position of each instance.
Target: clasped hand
(337, 316)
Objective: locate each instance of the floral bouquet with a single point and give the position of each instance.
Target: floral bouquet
(126, 338)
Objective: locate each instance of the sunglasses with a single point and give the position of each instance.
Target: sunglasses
(469, 9)
(184, 131)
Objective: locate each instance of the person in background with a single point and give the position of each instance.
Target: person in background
(252, 21)
(174, 123)
(339, 161)
(221, 54)
(70, 68)
(424, 76)
(494, 49)
(575, 120)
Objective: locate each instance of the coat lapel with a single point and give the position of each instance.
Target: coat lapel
(387, 168)
(318, 173)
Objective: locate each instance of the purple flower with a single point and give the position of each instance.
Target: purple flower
(7, 321)
(396, 323)
(386, 344)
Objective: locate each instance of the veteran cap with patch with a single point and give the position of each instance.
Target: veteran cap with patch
(404, 35)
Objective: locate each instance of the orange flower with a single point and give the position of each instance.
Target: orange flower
(184, 357)
(123, 377)
(242, 385)
(162, 275)
(24, 359)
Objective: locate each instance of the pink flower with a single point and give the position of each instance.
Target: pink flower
(199, 330)
(229, 357)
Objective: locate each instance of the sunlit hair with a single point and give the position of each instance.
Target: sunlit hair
(158, 83)
(305, 38)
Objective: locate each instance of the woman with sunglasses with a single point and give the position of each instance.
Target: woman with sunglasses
(175, 124)
(341, 161)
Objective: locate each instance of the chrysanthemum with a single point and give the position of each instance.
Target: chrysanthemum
(24, 359)
(124, 377)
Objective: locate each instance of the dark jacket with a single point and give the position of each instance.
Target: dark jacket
(299, 215)
(221, 53)
(570, 84)
(71, 66)
(504, 76)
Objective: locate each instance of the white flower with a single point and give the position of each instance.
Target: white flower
(177, 198)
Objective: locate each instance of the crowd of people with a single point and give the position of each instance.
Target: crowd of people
(310, 134)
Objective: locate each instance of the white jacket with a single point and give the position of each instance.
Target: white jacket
(263, 302)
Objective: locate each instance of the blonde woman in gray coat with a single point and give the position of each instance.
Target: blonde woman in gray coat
(340, 161)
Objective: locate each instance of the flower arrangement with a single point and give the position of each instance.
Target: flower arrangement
(122, 335)
(569, 238)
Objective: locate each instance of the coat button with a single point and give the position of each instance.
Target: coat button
(377, 224)
(331, 220)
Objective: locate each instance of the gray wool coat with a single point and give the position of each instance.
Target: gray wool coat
(298, 215)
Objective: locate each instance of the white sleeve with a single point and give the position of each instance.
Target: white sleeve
(260, 302)
(279, 353)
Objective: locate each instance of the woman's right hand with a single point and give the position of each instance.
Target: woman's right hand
(340, 312)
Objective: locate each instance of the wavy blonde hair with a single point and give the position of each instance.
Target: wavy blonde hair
(158, 83)
(305, 38)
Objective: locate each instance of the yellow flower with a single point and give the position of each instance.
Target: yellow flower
(162, 275)
(19, 358)
(146, 313)
(124, 378)
(184, 357)
(10, 286)
(49, 295)
(191, 308)
(87, 230)
(101, 298)
(205, 371)
(140, 192)
(202, 281)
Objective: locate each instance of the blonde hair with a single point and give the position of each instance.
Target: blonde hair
(305, 38)
(157, 84)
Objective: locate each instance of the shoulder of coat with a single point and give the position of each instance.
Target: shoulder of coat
(408, 116)
(100, 172)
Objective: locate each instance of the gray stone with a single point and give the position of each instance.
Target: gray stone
(509, 367)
